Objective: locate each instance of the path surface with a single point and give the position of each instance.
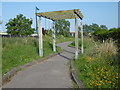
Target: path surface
(52, 73)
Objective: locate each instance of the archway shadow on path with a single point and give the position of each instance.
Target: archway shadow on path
(69, 51)
(72, 52)
(64, 56)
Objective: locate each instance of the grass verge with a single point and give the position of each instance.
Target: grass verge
(98, 66)
(19, 51)
(61, 38)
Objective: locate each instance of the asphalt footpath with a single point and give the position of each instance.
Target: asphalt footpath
(52, 73)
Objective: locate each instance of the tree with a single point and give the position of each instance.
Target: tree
(103, 27)
(62, 27)
(100, 31)
(94, 27)
(90, 28)
(20, 26)
(86, 28)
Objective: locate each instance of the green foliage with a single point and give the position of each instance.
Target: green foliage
(88, 30)
(50, 32)
(100, 31)
(113, 33)
(62, 27)
(20, 26)
(94, 27)
(103, 27)
(61, 38)
(97, 72)
(86, 43)
(101, 34)
(98, 66)
(104, 34)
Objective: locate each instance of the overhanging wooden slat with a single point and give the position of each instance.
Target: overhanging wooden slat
(58, 15)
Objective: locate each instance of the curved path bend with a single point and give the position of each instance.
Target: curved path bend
(52, 73)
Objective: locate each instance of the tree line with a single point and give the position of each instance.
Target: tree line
(102, 33)
(20, 25)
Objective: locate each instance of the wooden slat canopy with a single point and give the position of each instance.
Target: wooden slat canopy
(58, 15)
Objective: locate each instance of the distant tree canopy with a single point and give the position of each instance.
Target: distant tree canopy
(20, 26)
(103, 27)
(93, 27)
(62, 27)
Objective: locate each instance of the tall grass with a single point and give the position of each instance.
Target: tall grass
(86, 42)
(18, 51)
(61, 38)
(107, 48)
(98, 66)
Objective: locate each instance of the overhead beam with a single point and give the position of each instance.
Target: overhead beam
(59, 15)
(78, 13)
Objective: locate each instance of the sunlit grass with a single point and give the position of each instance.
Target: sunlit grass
(98, 66)
(61, 38)
(18, 51)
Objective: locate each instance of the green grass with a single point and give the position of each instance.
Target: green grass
(98, 66)
(61, 38)
(86, 43)
(19, 51)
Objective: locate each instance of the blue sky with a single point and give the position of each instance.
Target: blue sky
(101, 13)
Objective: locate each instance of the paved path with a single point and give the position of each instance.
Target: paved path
(53, 73)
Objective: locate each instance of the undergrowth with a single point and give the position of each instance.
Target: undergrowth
(98, 66)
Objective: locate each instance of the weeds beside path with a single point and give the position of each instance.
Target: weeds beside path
(98, 66)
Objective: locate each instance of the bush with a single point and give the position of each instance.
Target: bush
(103, 34)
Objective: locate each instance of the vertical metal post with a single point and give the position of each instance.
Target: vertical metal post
(82, 49)
(36, 19)
(40, 37)
(36, 25)
(76, 38)
(53, 36)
